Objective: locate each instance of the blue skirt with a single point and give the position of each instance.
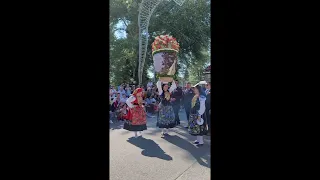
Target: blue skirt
(166, 117)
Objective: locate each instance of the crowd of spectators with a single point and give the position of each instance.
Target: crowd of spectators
(119, 94)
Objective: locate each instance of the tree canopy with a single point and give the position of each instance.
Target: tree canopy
(189, 24)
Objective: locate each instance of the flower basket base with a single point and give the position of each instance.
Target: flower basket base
(166, 79)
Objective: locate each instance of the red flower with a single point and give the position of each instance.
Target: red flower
(163, 41)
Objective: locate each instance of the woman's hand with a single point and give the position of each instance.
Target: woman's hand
(159, 84)
(160, 91)
(199, 118)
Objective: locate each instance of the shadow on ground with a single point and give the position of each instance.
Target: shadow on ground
(150, 148)
(199, 153)
(154, 131)
(184, 132)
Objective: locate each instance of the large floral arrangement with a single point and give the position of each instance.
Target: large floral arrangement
(165, 43)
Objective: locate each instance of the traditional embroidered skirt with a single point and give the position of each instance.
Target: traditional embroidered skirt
(195, 129)
(166, 118)
(136, 119)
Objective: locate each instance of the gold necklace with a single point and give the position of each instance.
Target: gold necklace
(167, 95)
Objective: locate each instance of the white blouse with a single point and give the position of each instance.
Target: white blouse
(202, 100)
(130, 100)
(171, 89)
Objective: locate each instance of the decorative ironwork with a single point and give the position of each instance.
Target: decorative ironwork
(146, 9)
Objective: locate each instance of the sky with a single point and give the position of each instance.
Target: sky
(120, 34)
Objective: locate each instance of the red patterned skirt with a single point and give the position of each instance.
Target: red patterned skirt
(136, 119)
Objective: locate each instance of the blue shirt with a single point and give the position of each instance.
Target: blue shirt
(122, 92)
(148, 101)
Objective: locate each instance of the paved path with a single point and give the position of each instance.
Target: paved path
(154, 158)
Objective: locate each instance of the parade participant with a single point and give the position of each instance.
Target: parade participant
(208, 105)
(176, 97)
(136, 117)
(197, 119)
(187, 97)
(166, 117)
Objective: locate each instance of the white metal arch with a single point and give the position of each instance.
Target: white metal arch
(146, 9)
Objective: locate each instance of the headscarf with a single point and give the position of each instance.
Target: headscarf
(135, 92)
(201, 93)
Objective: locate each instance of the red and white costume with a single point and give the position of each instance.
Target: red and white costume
(136, 116)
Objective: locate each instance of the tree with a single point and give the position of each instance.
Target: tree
(189, 24)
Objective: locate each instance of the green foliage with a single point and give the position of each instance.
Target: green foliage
(189, 24)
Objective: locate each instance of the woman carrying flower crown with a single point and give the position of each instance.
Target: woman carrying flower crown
(166, 117)
(198, 125)
(136, 116)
